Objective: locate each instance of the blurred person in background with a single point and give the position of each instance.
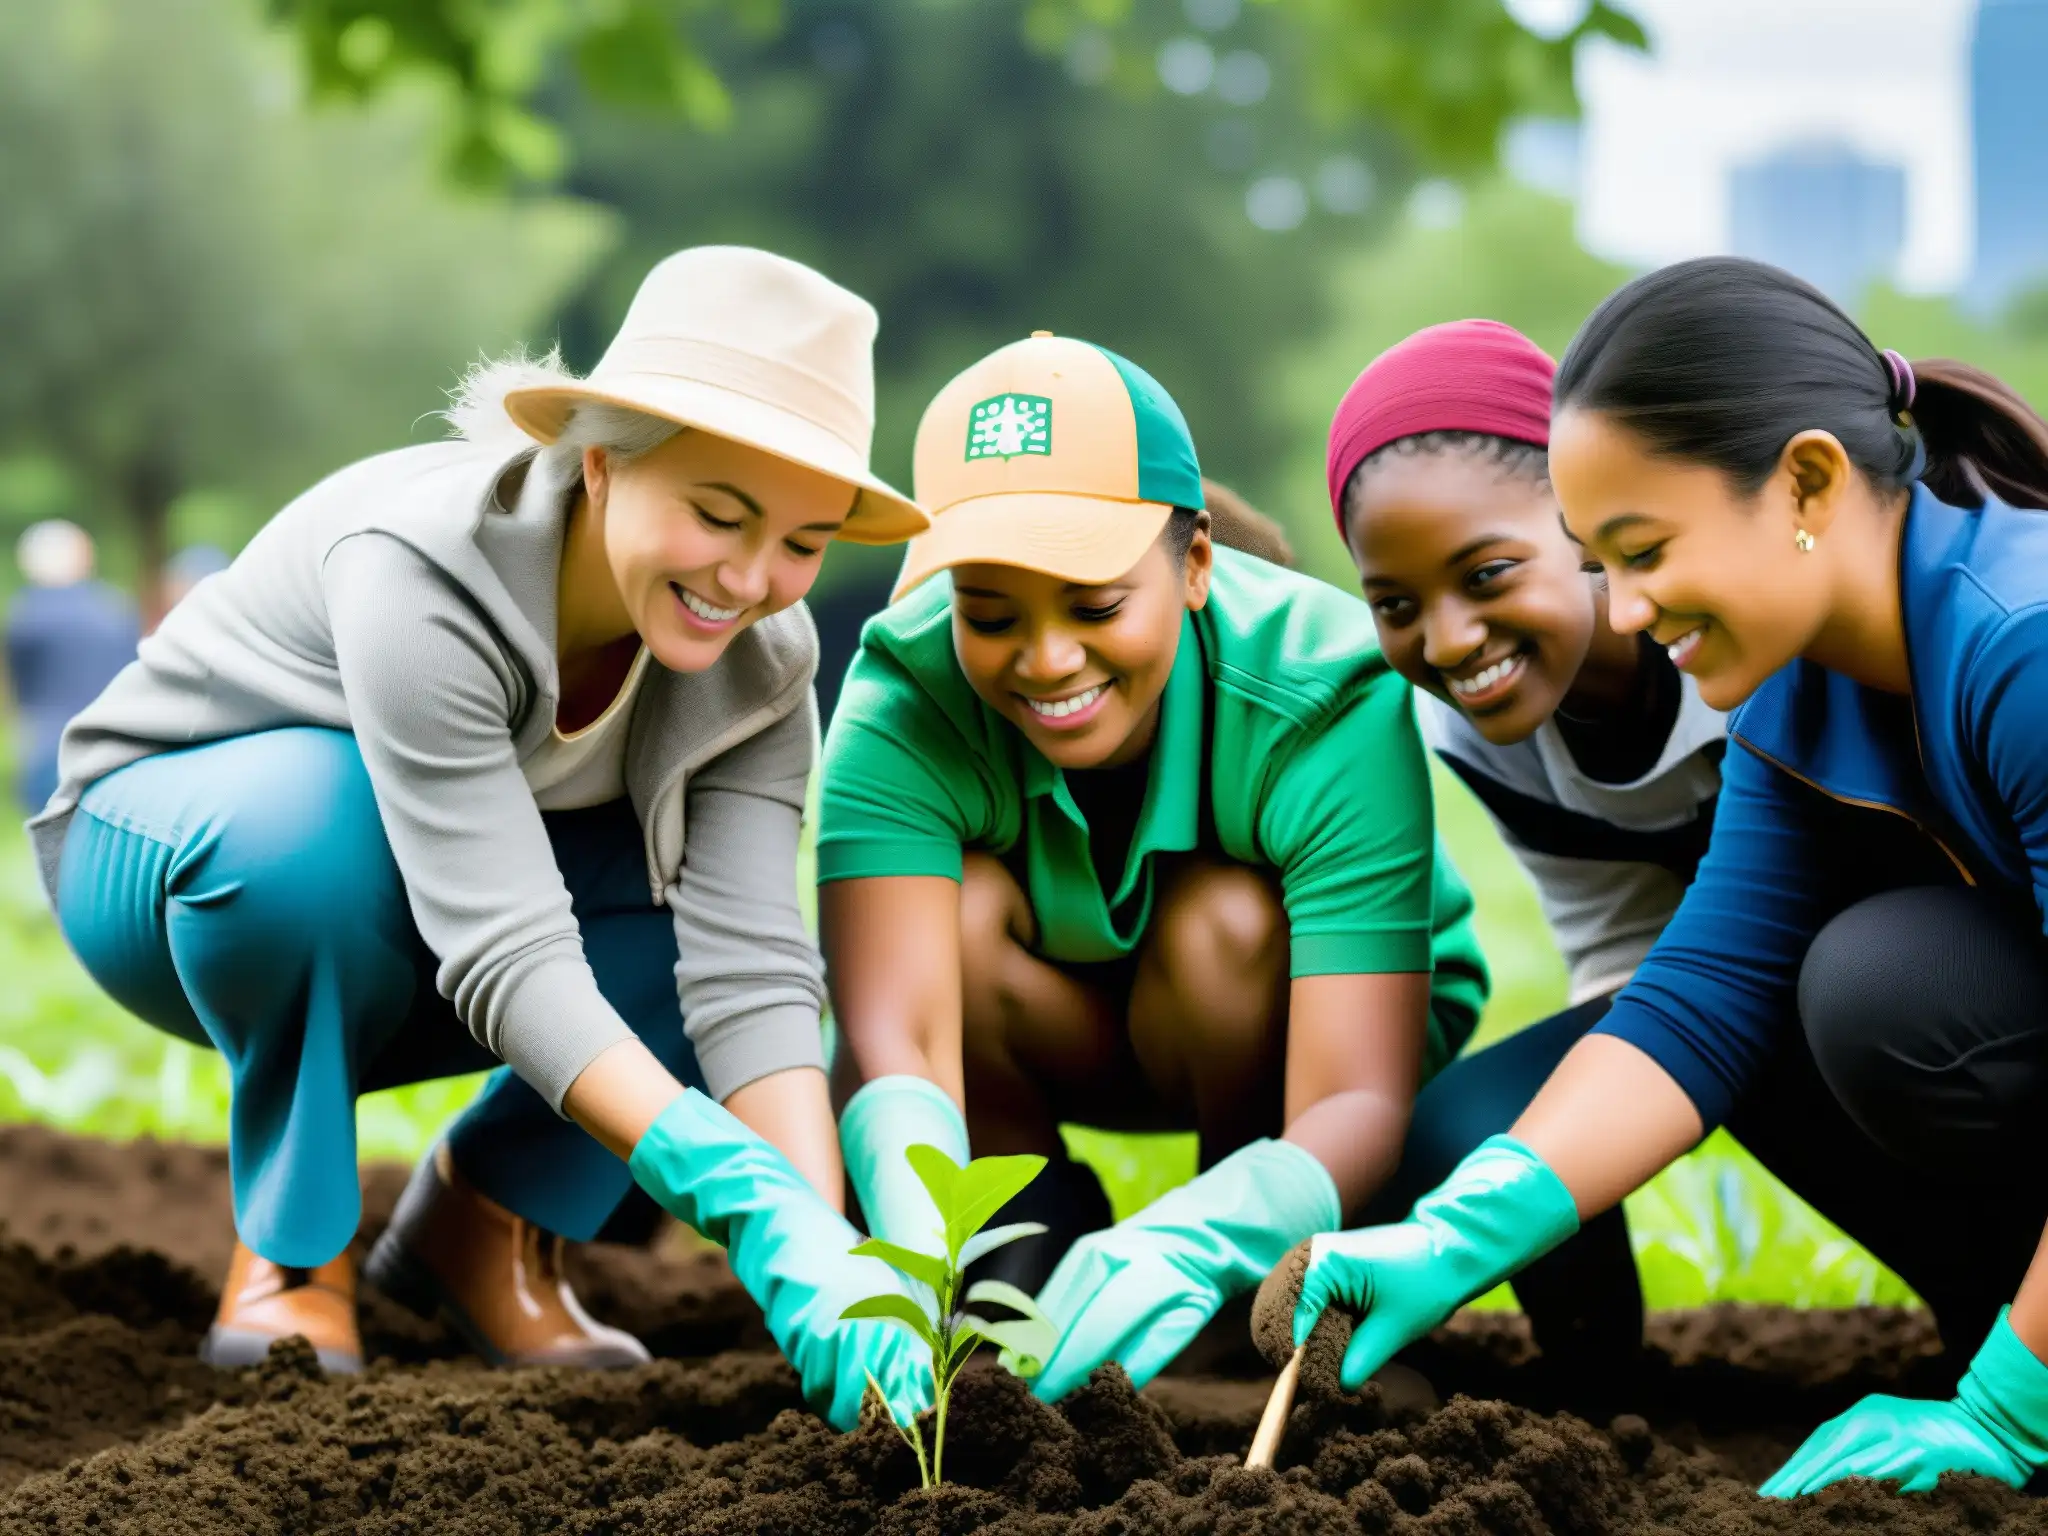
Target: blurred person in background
(187, 568)
(67, 636)
(495, 750)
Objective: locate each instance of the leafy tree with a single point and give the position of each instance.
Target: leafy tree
(1508, 254)
(204, 288)
(1443, 75)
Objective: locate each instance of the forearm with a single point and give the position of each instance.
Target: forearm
(1356, 1135)
(621, 1093)
(792, 1111)
(1607, 1120)
(892, 957)
(1354, 1060)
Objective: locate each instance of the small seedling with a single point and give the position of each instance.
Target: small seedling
(966, 1198)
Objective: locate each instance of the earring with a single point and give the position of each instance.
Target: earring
(1803, 542)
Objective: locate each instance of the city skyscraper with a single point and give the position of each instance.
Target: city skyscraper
(2009, 130)
(1823, 211)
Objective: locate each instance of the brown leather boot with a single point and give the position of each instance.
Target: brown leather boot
(494, 1277)
(262, 1302)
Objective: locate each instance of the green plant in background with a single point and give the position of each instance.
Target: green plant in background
(966, 1198)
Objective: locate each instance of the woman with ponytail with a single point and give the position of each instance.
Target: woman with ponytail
(1843, 548)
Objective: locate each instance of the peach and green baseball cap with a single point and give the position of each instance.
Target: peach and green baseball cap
(1051, 454)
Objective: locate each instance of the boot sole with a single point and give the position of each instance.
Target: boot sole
(234, 1349)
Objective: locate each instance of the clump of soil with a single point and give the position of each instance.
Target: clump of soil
(108, 1424)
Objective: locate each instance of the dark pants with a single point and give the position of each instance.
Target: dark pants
(1911, 1106)
(242, 895)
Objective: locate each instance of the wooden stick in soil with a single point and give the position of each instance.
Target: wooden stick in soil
(1273, 1422)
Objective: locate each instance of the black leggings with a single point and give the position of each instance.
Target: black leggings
(1911, 1106)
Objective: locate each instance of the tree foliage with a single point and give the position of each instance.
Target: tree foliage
(205, 288)
(974, 189)
(1442, 75)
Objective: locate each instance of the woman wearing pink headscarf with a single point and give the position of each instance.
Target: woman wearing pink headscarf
(1595, 757)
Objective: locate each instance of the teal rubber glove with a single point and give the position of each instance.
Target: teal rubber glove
(1139, 1291)
(1995, 1426)
(792, 1253)
(878, 1124)
(1500, 1208)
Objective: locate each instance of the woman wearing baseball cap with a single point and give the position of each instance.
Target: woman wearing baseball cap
(1125, 829)
(494, 750)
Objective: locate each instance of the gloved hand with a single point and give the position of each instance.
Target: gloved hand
(1500, 1208)
(1138, 1292)
(791, 1252)
(1996, 1426)
(887, 1116)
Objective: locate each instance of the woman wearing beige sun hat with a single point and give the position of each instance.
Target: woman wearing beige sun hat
(495, 750)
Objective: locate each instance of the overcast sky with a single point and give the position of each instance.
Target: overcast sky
(1731, 78)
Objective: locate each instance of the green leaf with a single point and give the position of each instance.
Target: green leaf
(940, 1176)
(895, 1309)
(984, 1187)
(1027, 1343)
(983, 1243)
(965, 1338)
(1004, 1294)
(924, 1267)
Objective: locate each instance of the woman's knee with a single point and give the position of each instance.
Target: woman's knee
(288, 852)
(995, 922)
(1220, 930)
(1924, 1012)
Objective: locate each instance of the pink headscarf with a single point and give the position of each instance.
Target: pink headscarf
(1466, 376)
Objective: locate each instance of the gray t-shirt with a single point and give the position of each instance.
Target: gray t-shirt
(1610, 861)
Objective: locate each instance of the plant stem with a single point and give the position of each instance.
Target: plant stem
(916, 1438)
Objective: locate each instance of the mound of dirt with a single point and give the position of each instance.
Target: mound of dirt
(108, 1424)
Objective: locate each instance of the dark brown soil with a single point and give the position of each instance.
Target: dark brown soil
(108, 1424)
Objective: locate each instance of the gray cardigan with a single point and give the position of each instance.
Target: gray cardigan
(410, 599)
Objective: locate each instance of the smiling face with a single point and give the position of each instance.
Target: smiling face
(1713, 576)
(1078, 669)
(703, 536)
(1478, 595)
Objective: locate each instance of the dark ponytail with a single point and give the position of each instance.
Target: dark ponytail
(1721, 361)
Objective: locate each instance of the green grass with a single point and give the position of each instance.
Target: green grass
(1713, 1227)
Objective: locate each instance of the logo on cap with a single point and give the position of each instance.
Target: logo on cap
(1009, 426)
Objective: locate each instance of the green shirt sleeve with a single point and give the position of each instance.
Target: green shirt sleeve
(1350, 823)
(902, 791)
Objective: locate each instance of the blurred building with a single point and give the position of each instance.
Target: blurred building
(1821, 210)
(2009, 131)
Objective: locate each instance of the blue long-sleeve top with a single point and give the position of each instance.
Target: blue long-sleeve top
(1835, 791)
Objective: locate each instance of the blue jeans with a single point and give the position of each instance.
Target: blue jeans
(242, 895)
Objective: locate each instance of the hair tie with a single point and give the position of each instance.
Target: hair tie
(1904, 385)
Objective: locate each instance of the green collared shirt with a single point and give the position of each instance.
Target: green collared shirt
(1315, 770)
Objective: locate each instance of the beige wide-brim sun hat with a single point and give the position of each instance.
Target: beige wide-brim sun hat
(755, 348)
